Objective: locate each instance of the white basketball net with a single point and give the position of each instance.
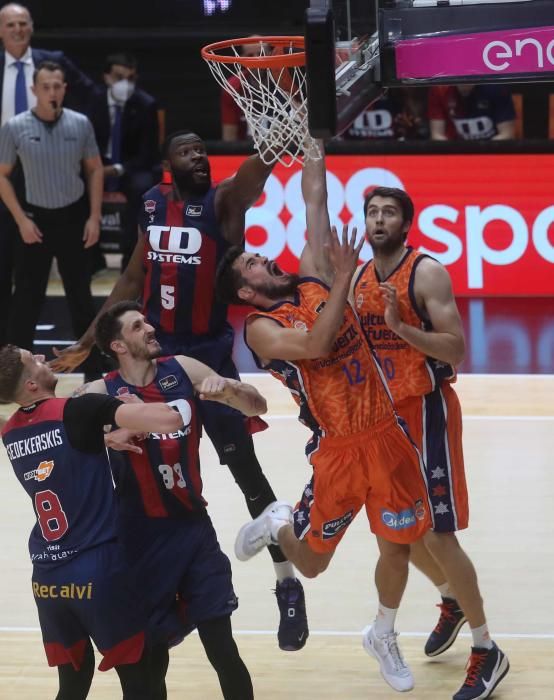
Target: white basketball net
(274, 105)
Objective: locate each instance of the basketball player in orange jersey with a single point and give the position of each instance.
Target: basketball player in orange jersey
(407, 309)
(308, 336)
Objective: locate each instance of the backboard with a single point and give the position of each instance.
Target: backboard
(342, 63)
(355, 49)
(454, 41)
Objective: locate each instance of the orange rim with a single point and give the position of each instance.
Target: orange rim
(282, 60)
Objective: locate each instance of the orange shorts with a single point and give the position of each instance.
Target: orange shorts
(380, 469)
(435, 425)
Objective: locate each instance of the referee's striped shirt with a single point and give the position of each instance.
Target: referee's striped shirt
(51, 154)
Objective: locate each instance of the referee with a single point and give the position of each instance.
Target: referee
(54, 145)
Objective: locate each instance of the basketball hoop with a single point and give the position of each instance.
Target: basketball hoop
(270, 88)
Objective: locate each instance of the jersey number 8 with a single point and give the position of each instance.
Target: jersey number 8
(51, 516)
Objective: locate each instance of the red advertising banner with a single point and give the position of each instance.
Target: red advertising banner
(488, 218)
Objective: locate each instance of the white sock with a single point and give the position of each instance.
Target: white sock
(446, 591)
(275, 526)
(283, 570)
(384, 622)
(481, 637)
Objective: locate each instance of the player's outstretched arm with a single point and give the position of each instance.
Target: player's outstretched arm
(433, 291)
(318, 226)
(269, 340)
(148, 417)
(128, 286)
(237, 194)
(210, 386)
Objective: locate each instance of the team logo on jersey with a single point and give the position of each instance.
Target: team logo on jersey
(359, 300)
(122, 391)
(150, 206)
(194, 209)
(419, 509)
(167, 383)
(320, 307)
(300, 325)
(41, 473)
(179, 246)
(332, 527)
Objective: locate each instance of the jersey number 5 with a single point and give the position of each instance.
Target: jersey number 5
(167, 294)
(51, 516)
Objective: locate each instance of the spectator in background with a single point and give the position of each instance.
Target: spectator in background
(469, 112)
(233, 123)
(55, 220)
(398, 114)
(17, 63)
(125, 121)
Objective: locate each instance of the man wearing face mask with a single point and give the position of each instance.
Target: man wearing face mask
(125, 122)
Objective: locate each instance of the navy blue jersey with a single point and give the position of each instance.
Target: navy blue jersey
(183, 245)
(71, 490)
(163, 481)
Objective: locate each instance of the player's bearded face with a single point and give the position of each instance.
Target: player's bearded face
(277, 287)
(195, 177)
(146, 349)
(386, 241)
(385, 226)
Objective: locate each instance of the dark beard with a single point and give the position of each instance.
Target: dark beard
(389, 246)
(185, 183)
(275, 292)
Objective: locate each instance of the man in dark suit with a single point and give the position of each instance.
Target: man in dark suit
(125, 121)
(17, 64)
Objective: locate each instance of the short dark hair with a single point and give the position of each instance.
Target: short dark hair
(48, 65)
(11, 371)
(166, 145)
(108, 326)
(228, 279)
(120, 59)
(403, 198)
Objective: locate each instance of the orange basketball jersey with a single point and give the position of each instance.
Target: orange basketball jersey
(342, 393)
(408, 371)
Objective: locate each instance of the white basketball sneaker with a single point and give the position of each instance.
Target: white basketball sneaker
(393, 667)
(256, 534)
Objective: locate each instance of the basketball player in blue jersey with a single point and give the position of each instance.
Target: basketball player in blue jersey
(185, 229)
(81, 589)
(165, 528)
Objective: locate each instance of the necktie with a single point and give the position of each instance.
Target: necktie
(21, 104)
(116, 135)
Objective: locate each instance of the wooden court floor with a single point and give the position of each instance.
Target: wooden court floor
(509, 448)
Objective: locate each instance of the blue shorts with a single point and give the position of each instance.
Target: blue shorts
(90, 596)
(179, 559)
(229, 430)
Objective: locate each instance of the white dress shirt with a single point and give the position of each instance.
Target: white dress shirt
(8, 89)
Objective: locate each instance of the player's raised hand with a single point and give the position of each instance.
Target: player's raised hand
(343, 252)
(69, 358)
(215, 388)
(124, 440)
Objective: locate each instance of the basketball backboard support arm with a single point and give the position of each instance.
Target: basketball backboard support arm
(466, 41)
(341, 82)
